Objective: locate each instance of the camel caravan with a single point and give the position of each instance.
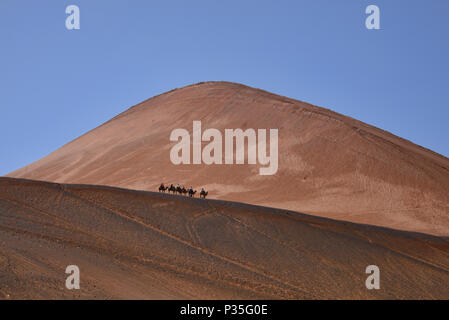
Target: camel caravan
(182, 190)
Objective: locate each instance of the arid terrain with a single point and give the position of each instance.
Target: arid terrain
(346, 195)
(136, 244)
(330, 165)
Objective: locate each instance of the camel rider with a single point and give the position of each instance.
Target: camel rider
(162, 185)
(191, 189)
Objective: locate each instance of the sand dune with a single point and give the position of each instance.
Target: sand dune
(329, 165)
(135, 244)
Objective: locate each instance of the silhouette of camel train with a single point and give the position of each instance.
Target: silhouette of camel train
(182, 190)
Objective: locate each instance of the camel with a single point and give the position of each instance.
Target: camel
(182, 191)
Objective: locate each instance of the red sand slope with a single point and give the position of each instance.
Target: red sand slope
(330, 165)
(134, 244)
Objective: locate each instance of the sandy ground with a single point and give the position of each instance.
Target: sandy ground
(329, 164)
(145, 245)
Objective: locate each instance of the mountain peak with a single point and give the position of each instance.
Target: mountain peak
(329, 164)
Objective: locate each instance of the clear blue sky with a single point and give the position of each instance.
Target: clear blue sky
(56, 84)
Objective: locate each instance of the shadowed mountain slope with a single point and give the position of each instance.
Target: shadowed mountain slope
(136, 244)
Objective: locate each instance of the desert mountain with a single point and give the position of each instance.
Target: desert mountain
(143, 245)
(329, 164)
